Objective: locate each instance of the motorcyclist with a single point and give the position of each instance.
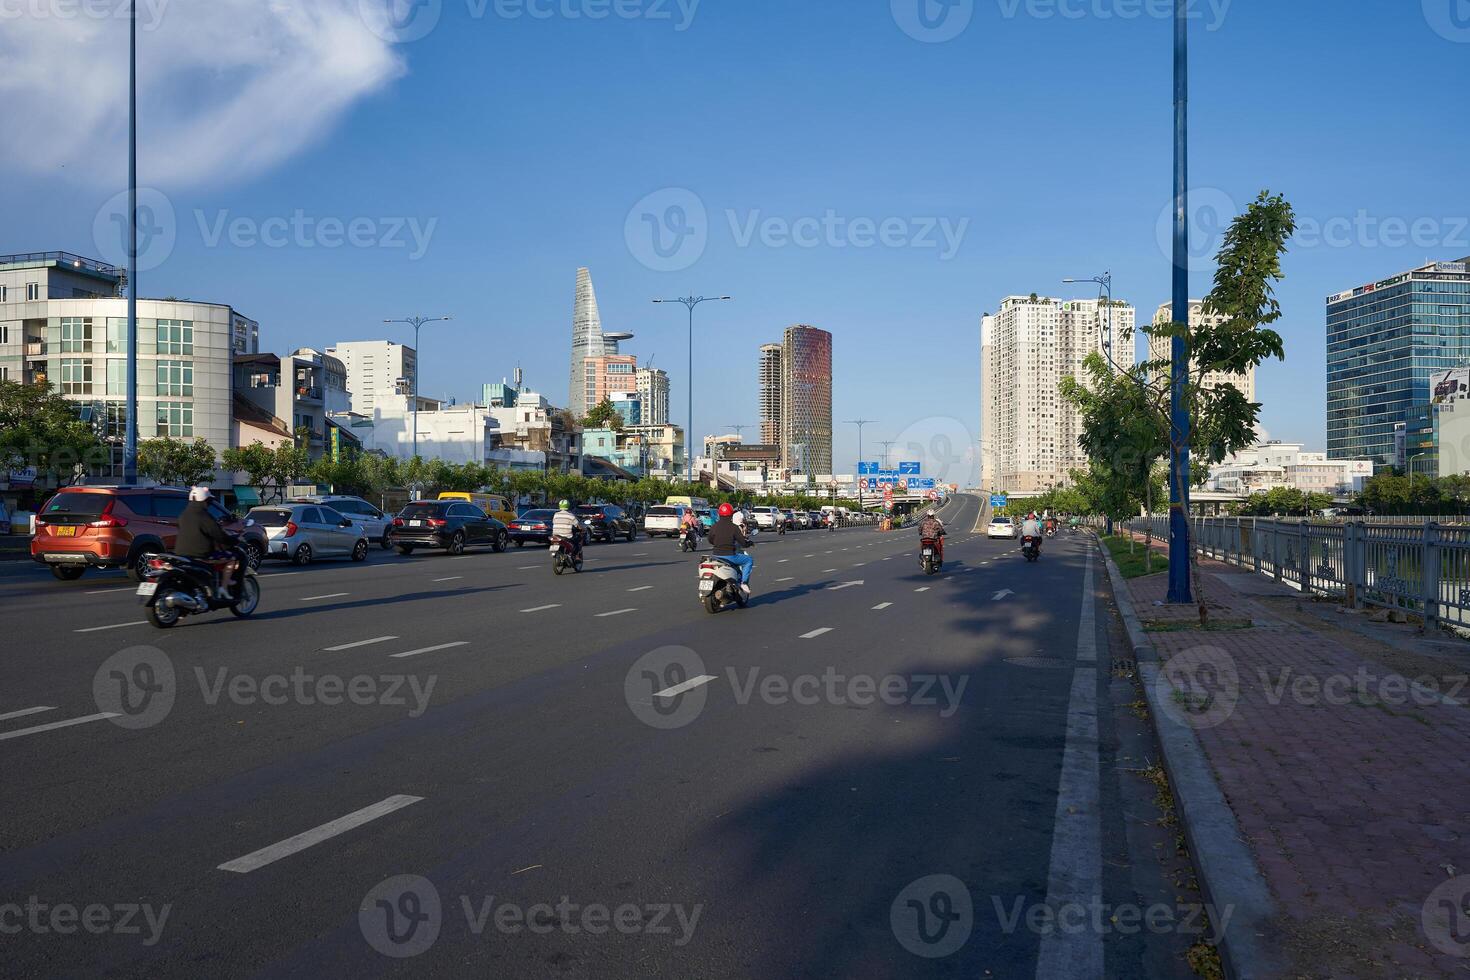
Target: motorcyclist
(1031, 528)
(565, 525)
(931, 528)
(691, 524)
(726, 539)
(202, 538)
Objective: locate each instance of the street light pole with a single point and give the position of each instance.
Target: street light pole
(1105, 285)
(1179, 546)
(130, 431)
(417, 323)
(885, 444)
(691, 302)
(860, 423)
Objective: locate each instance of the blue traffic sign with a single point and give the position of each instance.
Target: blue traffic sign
(921, 483)
(909, 469)
(867, 469)
(997, 500)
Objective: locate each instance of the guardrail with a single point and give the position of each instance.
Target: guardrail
(1423, 568)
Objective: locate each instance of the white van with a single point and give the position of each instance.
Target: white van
(663, 520)
(765, 517)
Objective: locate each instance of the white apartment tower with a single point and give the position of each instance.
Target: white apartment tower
(379, 372)
(653, 391)
(1029, 435)
(1158, 349)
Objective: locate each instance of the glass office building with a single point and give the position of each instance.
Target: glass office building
(1384, 341)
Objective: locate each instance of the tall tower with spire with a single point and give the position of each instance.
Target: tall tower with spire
(588, 341)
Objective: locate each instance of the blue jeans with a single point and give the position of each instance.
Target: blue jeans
(743, 562)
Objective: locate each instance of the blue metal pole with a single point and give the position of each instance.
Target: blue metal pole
(130, 432)
(1179, 590)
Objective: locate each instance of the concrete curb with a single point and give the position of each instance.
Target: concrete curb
(1228, 874)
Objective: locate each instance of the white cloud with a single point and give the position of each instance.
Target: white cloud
(226, 88)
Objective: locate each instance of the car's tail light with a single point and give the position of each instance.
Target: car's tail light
(397, 522)
(107, 519)
(157, 564)
(291, 529)
(438, 522)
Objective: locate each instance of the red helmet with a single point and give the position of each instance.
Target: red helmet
(726, 510)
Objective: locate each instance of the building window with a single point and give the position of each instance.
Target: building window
(176, 379)
(76, 334)
(176, 337)
(4, 294)
(4, 327)
(4, 374)
(176, 420)
(117, 335)
(76, 376)
(117, 377)
(33, 292)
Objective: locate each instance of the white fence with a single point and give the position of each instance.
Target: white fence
(1422, 568)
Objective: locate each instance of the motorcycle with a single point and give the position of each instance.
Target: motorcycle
(929, 559)
(564, 556)
(687, 541)
(1031, 548)
(719, 585)
(174, 587)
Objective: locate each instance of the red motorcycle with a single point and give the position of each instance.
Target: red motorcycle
(930, 558)
(565, 555)
(1031, 547)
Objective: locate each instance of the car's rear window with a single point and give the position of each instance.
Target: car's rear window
(663, 512)
(589, 509)
(537, 515)
(426, 508)
(78, 504)
(270, 518)
(1000, 520)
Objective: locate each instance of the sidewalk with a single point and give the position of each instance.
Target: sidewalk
(1343, 750)
(14, 547)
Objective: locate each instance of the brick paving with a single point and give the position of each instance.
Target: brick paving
(1352, 788)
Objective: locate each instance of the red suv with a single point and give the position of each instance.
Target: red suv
(115, 527)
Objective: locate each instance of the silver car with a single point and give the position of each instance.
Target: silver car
(300, 533)
(374, 523)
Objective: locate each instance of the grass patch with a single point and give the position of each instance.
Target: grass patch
(1213, 626)
(1135, 563)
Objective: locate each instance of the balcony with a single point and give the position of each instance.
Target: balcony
(35, 348)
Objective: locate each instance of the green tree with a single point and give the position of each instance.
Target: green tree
(603, 416)
(269, 470)
(41, 428)
(175, 462)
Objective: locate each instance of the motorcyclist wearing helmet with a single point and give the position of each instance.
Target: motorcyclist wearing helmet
(1031, 528)
(566, 525)
(691, 523)
(726, 539)
(931, 528)
(203, 539)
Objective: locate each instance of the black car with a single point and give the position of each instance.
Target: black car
(449, 524)
(607, 522)
(533, 526)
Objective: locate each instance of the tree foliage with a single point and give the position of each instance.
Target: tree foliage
(174, 462)
(40, 428)
(603, 416)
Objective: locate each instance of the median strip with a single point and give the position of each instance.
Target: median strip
(310, 838)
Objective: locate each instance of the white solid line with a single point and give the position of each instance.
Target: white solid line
(922, 589)
(641, 588)
(58, 724)
(883, 605)
(361, 643)
(688, 685)
(105, 591)
(114, 626)
(281, 574)
(554, 605)
(789, 578)
(27, 711)
(615, 612)
(816, 633)
(333, 595)
(328, 830)
(1076, 850)
(826, 570)
(524, 567)
(452, 578)
(442, 646)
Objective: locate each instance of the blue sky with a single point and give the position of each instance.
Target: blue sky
(522, 147)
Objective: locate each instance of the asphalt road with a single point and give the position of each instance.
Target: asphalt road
(451, 767)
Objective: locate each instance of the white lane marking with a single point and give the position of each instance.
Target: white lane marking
(782, 561)
(102, 716)
(451, 578)
(860, 564)
(463, 557)
(826, 570)
(281, 574)
(688, 685)
(27, 711)
(360, 643)
(808, 556)
(922, 589)
(641, 588)
(815, 633)
(328, 830)
(330, 595)
(442, 646)
(554, 605)
(882, 605)
(889, 558)
(615, 612)
(105, 591)
(1076, 850)
(789, 578)
(524, 567)
(114, 626)
(640, 554)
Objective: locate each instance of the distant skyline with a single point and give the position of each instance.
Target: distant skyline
(836, 164)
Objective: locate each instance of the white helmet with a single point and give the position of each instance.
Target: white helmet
(929, 512)
(739, 518)
(199, 494)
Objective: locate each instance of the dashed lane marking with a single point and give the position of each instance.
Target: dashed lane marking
(316, 835)
(441, 646)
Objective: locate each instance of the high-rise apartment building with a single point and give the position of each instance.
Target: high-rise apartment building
(379, 372)
(770, 394)
(1029, 435)
(1159, 349)
(1384, 342)
(653, 392)
(588, 343)
(806, 400)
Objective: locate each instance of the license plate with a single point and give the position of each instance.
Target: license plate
(148, 588)
(928, 552)
(65, 532)
(706, 585)
(415, 523)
